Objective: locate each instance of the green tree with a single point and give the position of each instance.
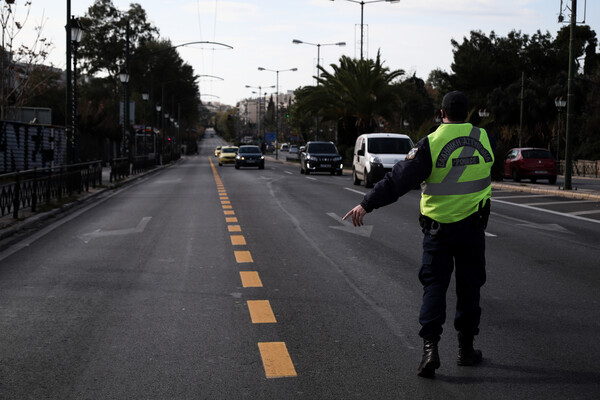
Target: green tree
(357, 94)
(102, 49)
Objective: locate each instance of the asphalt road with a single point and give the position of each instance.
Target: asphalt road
(207, 282)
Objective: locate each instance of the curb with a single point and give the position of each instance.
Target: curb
(583, 195)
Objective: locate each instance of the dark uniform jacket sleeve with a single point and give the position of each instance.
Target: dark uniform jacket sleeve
(404, 176)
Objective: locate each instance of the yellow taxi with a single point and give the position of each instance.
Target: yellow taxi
(227, 155)
(217, 151)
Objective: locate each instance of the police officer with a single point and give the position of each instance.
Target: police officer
(454, 164)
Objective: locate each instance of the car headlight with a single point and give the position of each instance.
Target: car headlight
(308, 157)
(262, 157)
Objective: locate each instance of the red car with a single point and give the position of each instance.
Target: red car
(530, 163)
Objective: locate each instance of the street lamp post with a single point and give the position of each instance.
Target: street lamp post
(560, 106)
(76, 36)
(259, 103)
(362, 9)
(145, 97)
(124, 78)
(159, 141)
(277, 99)
(318, 46)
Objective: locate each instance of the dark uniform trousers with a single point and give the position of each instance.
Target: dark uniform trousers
(459, 245)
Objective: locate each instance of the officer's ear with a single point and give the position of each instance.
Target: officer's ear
(443, 113)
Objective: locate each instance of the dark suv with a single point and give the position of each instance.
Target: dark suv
(320, 157)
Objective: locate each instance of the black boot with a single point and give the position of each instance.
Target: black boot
(467, 355)
(431, 359)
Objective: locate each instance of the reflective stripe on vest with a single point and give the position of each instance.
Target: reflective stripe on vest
(450, 184)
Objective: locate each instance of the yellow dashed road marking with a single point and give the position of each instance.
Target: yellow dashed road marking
(234, 228)
(238, 240)
(243, 257)
(276, 360)
(261, 312)
(225, 206)
(229, 212)
(231, 219)
(250, 279)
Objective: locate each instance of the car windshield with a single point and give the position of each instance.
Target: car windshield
(325, 148)
(388, 145)
(229, 150)
(536, 154)
(253, 150)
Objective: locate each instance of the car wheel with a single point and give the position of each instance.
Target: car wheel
(368, 183)
(355, 179)
(516, 177)
(552, 180)
(237, 166)
(306, 171)
(339, 173)
(261, 166)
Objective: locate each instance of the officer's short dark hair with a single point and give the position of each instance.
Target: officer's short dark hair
(456, 106)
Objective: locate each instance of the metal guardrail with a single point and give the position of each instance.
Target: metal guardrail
(27, 189)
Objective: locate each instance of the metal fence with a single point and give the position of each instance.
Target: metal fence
(582, 168)
(28, 189)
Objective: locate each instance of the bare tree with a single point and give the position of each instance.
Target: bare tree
(23, 72)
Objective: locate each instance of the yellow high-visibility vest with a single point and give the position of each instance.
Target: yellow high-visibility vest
(460, 177)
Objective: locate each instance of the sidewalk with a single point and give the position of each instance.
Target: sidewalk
(583, 188)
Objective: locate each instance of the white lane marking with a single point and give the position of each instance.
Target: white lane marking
(595, 221)
(490, 234)
(585, 212)
(560, 202)
(178, 180)
(355, 191)
(312, 179)
(524, 196)
(546, 227)
(86, 237)
(347, 226)
(288, 172)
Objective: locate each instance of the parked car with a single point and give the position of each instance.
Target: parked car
(227, 155)
(284, 147)
(217, 151)
(320, 157)
(530, 163)
(249, 156)
(293, 149)
(375, 154)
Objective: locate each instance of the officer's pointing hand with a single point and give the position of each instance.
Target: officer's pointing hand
(357, 214)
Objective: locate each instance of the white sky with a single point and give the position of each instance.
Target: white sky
(413, 35)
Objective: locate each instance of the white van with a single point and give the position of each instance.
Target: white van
(375, 154)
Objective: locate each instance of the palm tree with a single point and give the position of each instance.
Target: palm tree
(356, 94)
